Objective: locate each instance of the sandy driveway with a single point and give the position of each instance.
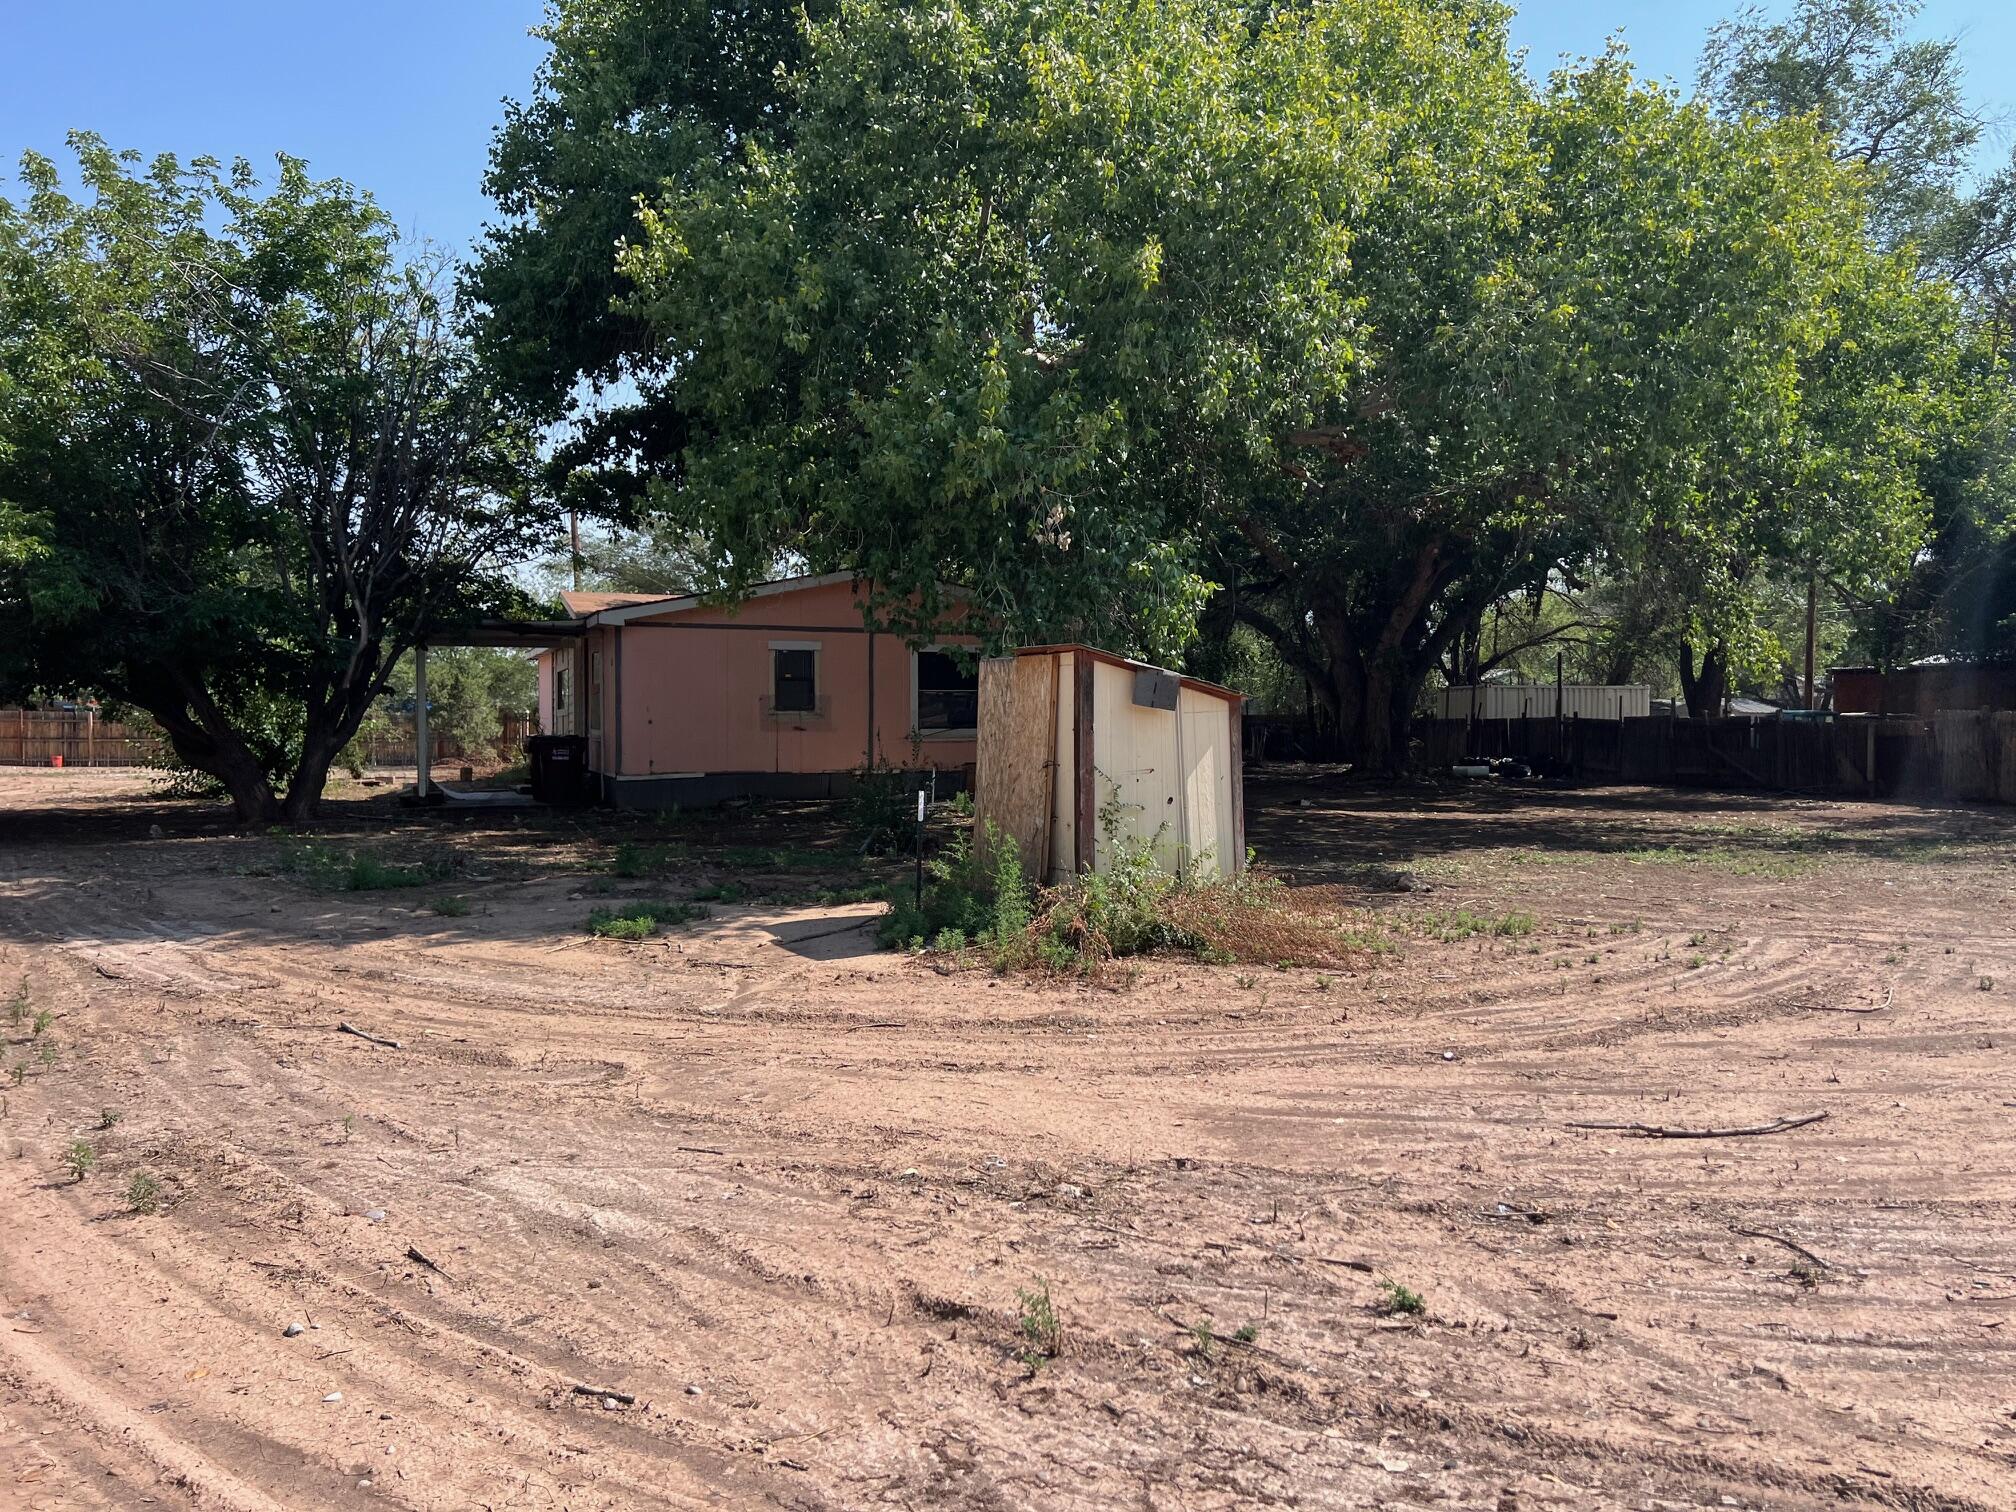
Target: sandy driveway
(777, 1201)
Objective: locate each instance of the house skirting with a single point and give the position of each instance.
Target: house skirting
(706, 789)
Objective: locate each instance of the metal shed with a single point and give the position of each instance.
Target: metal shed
(1079, 748)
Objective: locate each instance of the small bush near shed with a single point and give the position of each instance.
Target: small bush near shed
(975, 897)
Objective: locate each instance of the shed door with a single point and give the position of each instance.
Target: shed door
(1207, 783)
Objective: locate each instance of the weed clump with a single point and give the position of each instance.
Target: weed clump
(640, 920)
(143, 1193)
(449, 908)
(1042, 1332)
(79, 1159)
(1396, 1300)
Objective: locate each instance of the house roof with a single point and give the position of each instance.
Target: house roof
(581, 605)
(621, 613)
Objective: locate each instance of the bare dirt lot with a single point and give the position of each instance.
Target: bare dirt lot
(781, 1204)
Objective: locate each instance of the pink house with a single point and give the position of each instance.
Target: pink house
(784, 694)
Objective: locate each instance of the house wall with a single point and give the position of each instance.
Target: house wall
(696, 690)
(543, 665)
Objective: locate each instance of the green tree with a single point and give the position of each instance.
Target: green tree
(246, 459)
(633, 95)
(1895, 107)
(1082, 302)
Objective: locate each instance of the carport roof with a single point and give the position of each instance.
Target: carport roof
(532, 634)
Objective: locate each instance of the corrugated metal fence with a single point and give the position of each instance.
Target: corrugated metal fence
(1960, 753)
(1545, 700)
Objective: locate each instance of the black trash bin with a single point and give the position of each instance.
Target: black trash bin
(559, 768)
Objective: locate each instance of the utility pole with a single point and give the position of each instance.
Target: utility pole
(574, 536)
(1812, 593)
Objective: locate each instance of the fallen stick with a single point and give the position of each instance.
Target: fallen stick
(1797, 1249)
(1364, 1266)
(420, 1259)
(879, 1024)
(1657, 1131)
(603, 1391)
(377, 1039)
(698, 1150)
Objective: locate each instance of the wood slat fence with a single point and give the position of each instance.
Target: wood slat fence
(39, 737)
(78, 737)
(1959, 753)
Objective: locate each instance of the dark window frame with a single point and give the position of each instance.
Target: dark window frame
(794, 668)
(944, 704)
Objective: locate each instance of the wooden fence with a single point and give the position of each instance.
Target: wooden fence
(39, 737)
(395, 746)
(1960, 753)
(76, 737)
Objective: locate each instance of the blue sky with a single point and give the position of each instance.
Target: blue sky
(401, 97)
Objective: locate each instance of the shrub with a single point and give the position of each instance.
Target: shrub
(882, 809)
(640, 920)
(958, 897)
(79, 1158)
(449, 908)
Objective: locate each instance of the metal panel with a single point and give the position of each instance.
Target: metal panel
(1155, 689)
(1539, 701)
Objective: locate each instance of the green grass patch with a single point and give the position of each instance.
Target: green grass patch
(1735, 863)
(362, 870)
(1450, 925)
(450, 908)
(635, 860)
(639, 920)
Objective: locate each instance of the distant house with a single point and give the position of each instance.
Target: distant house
(785, 694)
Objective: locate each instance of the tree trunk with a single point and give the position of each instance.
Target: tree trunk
(330, 726)
(217, 751)
(1707, 689)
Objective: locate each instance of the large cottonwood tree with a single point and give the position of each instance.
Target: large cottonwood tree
(1079, 302)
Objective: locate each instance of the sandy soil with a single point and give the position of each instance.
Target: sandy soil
(784, 1194)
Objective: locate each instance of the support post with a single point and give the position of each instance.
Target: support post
(423, 751)
(1813, 593)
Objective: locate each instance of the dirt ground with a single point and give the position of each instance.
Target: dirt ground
(778, 1202)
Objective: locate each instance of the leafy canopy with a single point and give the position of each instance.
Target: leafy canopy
(245, 458)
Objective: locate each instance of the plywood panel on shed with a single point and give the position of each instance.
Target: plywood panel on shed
(1014, 780)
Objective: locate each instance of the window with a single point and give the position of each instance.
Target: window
(794, 678)
(948, 695)
(563, 693)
